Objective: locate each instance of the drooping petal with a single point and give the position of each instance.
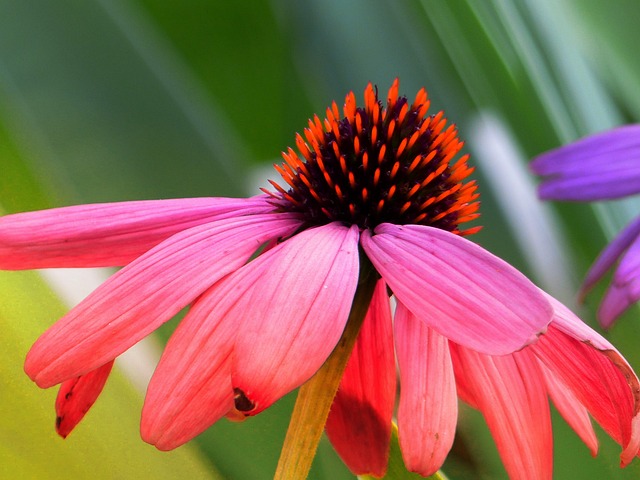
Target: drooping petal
(610, 254)
(428, 409)
(465, 392)
(294, 313)
(596, 373)
(574, 413)
(359, 423)
(146, 293)
(459, 289)
(191, 387)
(108, 234)
(624, 289)
(598, 167)
(77, 396)
(510, 393)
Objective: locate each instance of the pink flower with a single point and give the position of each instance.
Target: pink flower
(270, 281)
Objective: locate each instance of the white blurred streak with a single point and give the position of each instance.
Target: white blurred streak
(258, 177)
(534, 224)
(74, 284)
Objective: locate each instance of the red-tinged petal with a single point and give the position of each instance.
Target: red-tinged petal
(77, 396)
(511, 395)
(459, 289)
(596, 373)
(146, 293)
(294, 313)
(598, 167)
(465, 392)
(109, 234)
(624, 289)
(191, 388)
(574, 413)
(610, 254)
(359, 423)
(632, 449)
(428, 409)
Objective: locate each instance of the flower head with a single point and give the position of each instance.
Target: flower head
(604, 166)
(379, 165)
(376, 197)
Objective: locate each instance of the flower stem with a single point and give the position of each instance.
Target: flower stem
(316, 395)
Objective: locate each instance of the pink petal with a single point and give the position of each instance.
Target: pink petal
(610, 254)
(596, 373)
(574, 413)
(359, 424)
(633, 447)
(465, 392)
(77, 396)
(294, 313)
(567, 322)
(428, 409)
(146, 293)
(109, 234)
(459, 289)
(511, 395)
(191, 388)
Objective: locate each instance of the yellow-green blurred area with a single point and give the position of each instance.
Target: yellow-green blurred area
(128, 99)
(29, 446)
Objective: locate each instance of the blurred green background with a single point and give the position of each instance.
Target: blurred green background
(129, 99)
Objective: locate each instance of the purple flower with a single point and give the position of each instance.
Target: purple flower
(604, 166)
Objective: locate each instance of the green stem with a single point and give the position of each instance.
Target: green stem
(316, 395)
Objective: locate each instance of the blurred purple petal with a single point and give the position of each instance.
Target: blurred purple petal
(624, 290)
(610, 255)
(599, 167)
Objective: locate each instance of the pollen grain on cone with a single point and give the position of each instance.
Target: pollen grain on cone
(379, 164)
